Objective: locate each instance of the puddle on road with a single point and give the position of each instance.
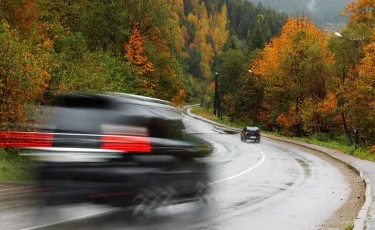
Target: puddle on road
(230, 132)
(305, 166)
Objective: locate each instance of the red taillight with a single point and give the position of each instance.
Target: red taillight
(14, 139)
(126, 143)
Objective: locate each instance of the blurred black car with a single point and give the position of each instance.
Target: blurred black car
(250, 133)
(114, 149)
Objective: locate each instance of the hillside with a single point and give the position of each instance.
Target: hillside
(164, 49)
(321, 11)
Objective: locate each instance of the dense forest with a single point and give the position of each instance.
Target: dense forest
(306, 81)
(160, 48)
(283, 74)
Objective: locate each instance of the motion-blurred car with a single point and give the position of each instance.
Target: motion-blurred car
(115, 149)
(250, 133)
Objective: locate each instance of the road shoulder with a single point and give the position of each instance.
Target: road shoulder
(365, 169)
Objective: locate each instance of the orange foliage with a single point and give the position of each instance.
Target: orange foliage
(280, 47)
(26, 15)
(135, 53)
(361, 11)
(328, 105)
(287, 120)
(24, 74)
(291, 67)
(179, 99)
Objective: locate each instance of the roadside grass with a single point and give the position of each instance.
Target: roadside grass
(341, 144)
(193, 101)
(349, 225)
(13, 167)
(209, 115)
(337, 142)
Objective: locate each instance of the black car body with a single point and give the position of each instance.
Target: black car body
(250, 133)
(113, 149)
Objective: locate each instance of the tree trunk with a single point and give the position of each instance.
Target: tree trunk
(344, 122)
(345, 126)
(298, 131)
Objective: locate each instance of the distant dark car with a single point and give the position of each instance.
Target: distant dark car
(114, 149)
(250, 133)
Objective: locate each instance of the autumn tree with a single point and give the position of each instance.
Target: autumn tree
(24, 74)
(356, 89)
(135, 53)
(296, 69)
(360, 12)
(361, 105)
(159, 48)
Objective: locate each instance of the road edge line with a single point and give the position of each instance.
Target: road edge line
(360, 221)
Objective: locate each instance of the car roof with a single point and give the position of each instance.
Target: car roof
(140, 98)
(252, 128)
(146, 107)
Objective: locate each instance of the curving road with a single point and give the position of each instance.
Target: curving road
(270, 185)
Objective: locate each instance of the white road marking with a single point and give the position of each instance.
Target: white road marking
(244, 172)
(10, 189)
(218, 148)
(71, 219)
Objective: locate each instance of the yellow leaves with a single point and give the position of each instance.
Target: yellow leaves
(295, 67)
(192, 19)
(48, 44)
(184, 33)
(297, 34)
(207, 52)
(179, 99)
(218, 30)
(213, 25)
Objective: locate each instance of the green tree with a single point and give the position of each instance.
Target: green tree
(231, 69)
(24, 73)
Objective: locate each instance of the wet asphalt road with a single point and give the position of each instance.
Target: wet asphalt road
(270, 185)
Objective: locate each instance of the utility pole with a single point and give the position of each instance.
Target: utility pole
(356, 42)
(356, 57)
(216, 97)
